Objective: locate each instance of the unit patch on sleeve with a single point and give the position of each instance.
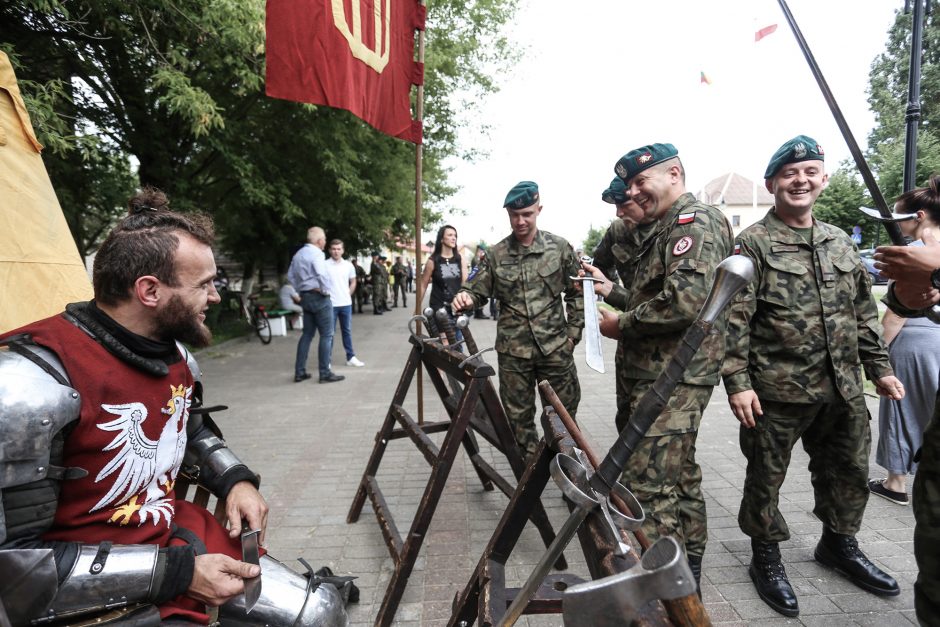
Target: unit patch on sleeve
(683, 245)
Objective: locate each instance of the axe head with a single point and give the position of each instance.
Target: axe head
(663, 573)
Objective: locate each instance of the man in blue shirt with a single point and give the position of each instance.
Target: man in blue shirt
(309, 276)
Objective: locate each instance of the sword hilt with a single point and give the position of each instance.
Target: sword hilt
(463, 323)
(431, 322)
(446, 326)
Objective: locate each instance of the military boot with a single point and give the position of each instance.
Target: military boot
(841, 553)
(770, 578)
(695, 565)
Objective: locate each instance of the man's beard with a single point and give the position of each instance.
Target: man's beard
(177, 322)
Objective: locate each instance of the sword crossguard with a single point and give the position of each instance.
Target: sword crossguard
(586, 278)
(573, 477)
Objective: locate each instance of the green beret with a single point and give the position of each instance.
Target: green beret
(524, 194)
(616, 194)
(638, 160)
(800, 148)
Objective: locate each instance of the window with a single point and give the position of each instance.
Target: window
(735, 220)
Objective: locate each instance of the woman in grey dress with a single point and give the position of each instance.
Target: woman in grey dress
(914, 348)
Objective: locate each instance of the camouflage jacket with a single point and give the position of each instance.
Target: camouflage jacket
(399, 272)
(675, 267)
(530, 284)
(379, 274)
(615, 256)
(807, 323)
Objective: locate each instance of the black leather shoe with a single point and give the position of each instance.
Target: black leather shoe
(770, 578)
(302, 377)
(841, 553)
(332, 378)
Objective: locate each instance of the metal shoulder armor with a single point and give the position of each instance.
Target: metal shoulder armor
(36, 402)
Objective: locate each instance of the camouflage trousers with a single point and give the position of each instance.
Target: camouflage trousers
(517, 380)
(926, 501)
(836, 436)
(379, 296)
(662, 473)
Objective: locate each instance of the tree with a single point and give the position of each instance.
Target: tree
(177, 88)
(593, 238)
(888, 95)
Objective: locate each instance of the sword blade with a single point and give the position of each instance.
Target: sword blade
(527, 591)
(894, 232)
(594, 353)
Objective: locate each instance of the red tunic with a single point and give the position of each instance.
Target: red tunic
(130, 438)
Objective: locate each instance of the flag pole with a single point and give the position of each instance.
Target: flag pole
(419, 160)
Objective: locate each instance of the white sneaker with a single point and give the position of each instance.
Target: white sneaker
(354, 361)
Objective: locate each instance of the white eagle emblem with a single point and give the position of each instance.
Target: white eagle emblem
(146, 468)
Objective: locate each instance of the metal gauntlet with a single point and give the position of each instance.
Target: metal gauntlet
(106, 577)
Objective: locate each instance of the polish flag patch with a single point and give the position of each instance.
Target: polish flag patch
(683, 245)
(737, 249)
(686, 218)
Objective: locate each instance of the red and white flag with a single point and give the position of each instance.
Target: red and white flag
(356, 55)
(763, 32)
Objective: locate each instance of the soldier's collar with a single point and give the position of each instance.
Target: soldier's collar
(537, 245)
(779, 231)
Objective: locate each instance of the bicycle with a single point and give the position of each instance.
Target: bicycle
(236, 307)
(257, 317)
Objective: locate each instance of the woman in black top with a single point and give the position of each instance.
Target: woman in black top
(445, 270)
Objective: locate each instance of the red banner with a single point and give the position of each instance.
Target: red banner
(356, 55)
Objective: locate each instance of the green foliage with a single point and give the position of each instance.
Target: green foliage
(176, 88)
(92, 183)
(839, 203)
(593, 238)
(888, 96)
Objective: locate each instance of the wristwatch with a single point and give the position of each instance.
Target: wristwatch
(935, 278)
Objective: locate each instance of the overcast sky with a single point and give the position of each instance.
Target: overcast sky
(600, 77)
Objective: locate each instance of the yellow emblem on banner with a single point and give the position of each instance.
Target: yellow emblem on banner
(373, 58)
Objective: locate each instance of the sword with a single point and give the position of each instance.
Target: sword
(887, 218)
(880, 204)
(593, 352)
(731, 276)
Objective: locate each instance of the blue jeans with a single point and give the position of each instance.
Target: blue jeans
(344, 315)
(318, 316)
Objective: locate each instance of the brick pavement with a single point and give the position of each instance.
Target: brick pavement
(311, 441)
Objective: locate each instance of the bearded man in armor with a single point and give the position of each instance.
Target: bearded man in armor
(100, 409)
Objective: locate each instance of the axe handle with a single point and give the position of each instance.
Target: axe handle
(686, 610)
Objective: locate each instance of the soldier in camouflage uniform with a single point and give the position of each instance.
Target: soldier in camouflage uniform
(680, 243)
(379, 275)
(916, 271)
(615, 256)
(798, 338)
(360, 291)
(529, 272)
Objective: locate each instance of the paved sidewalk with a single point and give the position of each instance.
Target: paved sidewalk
(310, 443)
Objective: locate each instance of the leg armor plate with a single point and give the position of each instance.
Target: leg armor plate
(285, 600)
